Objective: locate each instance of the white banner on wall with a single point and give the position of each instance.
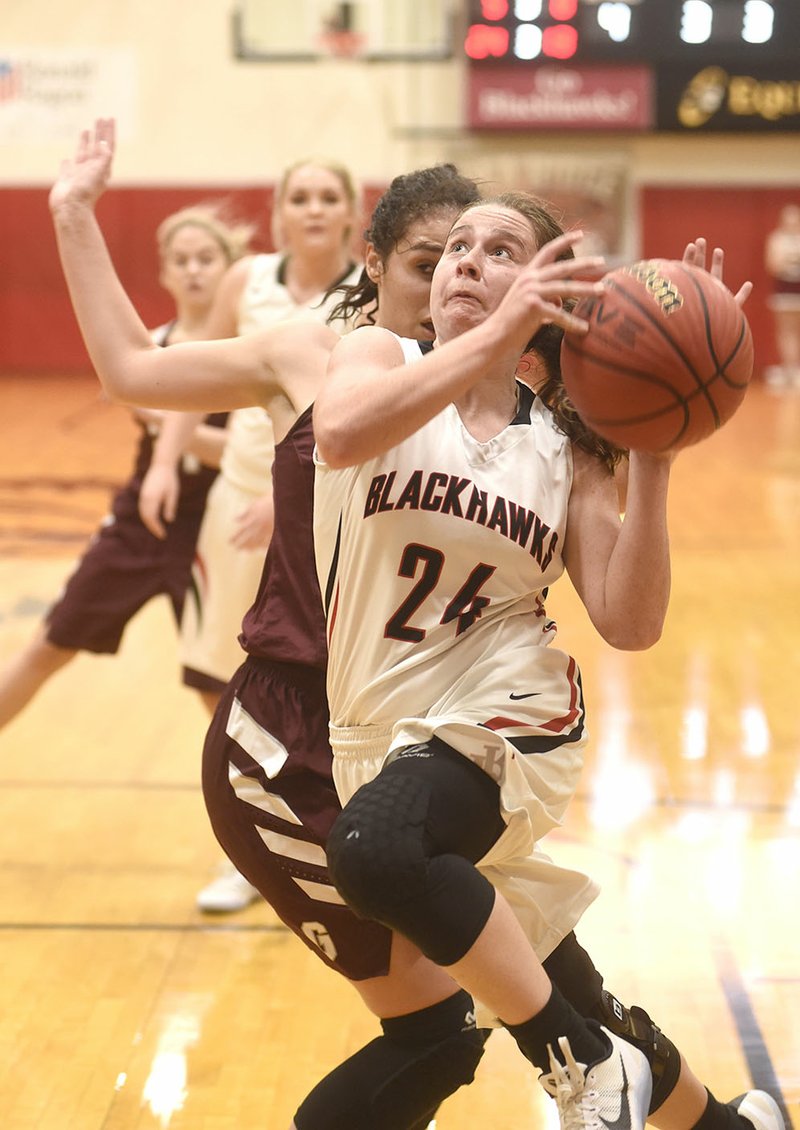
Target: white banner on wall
(49, 94)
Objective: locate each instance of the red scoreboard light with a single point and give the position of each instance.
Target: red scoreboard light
(551, 33)
(495, 9)
(486, 42)
(559, 41)
(724, 65)
(563, 9)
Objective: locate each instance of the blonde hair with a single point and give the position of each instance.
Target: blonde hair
(342, 174)
(339, 171)
(233, 235)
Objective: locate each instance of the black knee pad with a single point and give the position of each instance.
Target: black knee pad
(398, 1081)
(375, 847)
(436, 1072)
(379, 859)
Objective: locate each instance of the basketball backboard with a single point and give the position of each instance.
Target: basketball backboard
(372, 30)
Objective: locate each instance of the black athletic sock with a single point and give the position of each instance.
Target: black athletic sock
(721, 1116)
(559, 1018)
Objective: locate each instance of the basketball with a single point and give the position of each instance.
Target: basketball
(666, 361)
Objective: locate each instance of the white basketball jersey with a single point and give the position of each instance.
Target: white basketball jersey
(249, 450)
(265, 301)
(433, 560)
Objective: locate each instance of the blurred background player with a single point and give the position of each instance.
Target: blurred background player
(314, 217)
(124, 565)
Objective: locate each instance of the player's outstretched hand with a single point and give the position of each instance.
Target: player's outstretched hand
(695, 256)
(83, 178)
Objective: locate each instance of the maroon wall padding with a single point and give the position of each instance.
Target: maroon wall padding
(38, 333)
(736, 219)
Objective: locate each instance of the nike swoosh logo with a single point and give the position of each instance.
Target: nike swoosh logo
(517, 697)
(624, 1120)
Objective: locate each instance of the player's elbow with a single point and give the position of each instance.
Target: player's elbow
(114, 384)
(637, 635)
(130, 378)
(330, 450)
(336, 444)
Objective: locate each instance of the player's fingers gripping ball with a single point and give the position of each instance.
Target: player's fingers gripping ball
(667, 358)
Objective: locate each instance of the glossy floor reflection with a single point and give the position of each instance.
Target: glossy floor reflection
(124, 1008)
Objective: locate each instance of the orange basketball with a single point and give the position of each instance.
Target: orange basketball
(667, 359)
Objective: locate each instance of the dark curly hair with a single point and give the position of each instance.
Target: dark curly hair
(408, 198)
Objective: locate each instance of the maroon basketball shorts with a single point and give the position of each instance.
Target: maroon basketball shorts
(123, 568)
(271, 799)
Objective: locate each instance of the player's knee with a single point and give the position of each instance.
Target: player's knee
(572, 970)
(45, 658)
(380, 862)
(398, 1081)
(431, 1073)
(375, 849)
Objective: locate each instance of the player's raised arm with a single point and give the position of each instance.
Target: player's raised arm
(99, 301)
(621, 568)
(205, 376)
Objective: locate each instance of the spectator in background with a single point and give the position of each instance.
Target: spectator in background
(782, 260)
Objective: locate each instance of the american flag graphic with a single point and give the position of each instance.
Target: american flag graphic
(10, 80)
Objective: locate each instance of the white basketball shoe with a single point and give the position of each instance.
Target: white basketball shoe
(227, 893)
(611, 1094)
(760, 1109)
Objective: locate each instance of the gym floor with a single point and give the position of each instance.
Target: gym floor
(126, 1008)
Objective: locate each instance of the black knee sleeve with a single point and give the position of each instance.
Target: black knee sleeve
(398, 1080)
(387, 859)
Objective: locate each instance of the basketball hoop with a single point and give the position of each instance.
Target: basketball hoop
(341, 44)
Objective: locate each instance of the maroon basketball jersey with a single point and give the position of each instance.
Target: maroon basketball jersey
(286, 623)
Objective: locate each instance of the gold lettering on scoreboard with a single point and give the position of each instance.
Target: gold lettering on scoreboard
(741, 96)
(764, 99)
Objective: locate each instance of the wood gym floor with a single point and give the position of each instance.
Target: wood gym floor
(123, 1008)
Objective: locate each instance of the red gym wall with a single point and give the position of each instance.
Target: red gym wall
(737, 219)
(38, 330)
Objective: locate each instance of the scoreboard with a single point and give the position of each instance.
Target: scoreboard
(675, 65)
(639, 31)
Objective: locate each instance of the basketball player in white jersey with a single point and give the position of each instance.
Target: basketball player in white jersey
(448, 500)
(421, 1052)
